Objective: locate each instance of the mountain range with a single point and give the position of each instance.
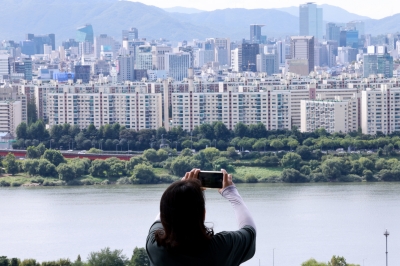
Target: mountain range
(111, 17)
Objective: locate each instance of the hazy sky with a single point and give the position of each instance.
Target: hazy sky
(373, 9)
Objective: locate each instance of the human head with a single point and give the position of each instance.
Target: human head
(182, 212)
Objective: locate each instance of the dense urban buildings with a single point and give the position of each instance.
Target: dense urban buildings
(336, 77)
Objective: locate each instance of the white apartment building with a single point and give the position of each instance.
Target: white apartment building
(12, 113)
(380, 110)
(193, 109)
(333, 115)
(235, 64)
(136, 110)
(3, 64)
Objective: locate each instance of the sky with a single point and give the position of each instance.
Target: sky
(373, 9)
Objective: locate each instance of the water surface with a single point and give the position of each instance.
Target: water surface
(299, 221)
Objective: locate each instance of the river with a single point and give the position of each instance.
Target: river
(299, 221)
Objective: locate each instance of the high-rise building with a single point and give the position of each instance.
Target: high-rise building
(332, 32)
(311, 20)
(177, 65)
(281, 50)
(255, 33)
(82, 73)
(357, 25)
(330, 53)
(40, 40)
(131, 34)
(158, 56)
(203, 57)
(70, 43)
(248, 56)
(103, 40)
(346, 55)
(144, 58)
(85, 34)
(378, 61)
(302, 48)
(268, 62)
(126, 68)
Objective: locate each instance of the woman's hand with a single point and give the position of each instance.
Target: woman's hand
(194, 174)
(226, 181)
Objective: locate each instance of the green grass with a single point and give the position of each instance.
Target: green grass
(161, 171)
(259, 172)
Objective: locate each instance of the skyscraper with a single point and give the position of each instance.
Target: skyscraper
(378, 61)
(302, 49)
(311, 20)
(40, 40)
(255, 33)
(332, 32)
(177, 65)
(85, 34)
(248, 56)
(103, 40)
(131, 34)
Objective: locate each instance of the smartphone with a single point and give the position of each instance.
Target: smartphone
(211, 179)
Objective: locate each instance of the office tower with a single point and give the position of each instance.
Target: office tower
(346, 55)
(82, 73)
(40, 40)
(378, 61)
(332, 32)
(343, 38)
(302, 54)
(222, 47)
(27, 68)
(61, 50)
(352, 38)
(103, 40)
(85, 34)
(85, 48)
(70, 43)
(126, 66)
(144, 57)
(357, 25)
(158, 56)
(248, 56)
(311, 20)
(177, 65)
(131, 34)
(235, 60)
(204, 57)
(4, 65)
(268, 62)
(255, 33)
(281, 50)
(130, 47)
(330, 53)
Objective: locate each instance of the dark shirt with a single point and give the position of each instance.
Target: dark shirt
(225, 248)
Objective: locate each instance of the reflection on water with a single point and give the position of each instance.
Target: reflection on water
(299, 221)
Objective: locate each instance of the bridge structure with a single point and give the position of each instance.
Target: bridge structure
(73, 154)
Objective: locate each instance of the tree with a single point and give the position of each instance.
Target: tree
(54, 156)
(116, 167)
(313, 262)
(130, 165)
(162, 155)
(22, 131)
(339, 261)
(186, 152)
(144, 174)
(260, 144)
(331, 168)
(221, 163)
(257, 131)
(99, 168)
(304, 152)
(240, 130)
(139, 258)
(211, 154)
(180, 166)
(32, 111)
(11, 164)
(293, 176)
(31, 166)
(276, 144)
(45, 168)
(369, 176)
(150, 155)
(293, 144)
(207, 131)
(65, 172)
(291, 160)
(221, 132)
(29, 262)
(107, 257)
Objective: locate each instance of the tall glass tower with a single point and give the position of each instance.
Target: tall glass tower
(85, 34)
(311, 20)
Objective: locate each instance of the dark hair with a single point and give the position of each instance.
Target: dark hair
(182, 212)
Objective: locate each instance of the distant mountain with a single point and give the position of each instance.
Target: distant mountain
(235, 23)
(331, 13)
(111, 17)
(180, 9)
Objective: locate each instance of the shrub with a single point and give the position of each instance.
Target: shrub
(16, 184)
(250, 179)
(124, 181)
(105, 182)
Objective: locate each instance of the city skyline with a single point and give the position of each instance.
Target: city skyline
(366, 9)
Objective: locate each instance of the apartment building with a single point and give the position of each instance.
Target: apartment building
(136, 110)
(380, 110)
(337, 115)
(13, 108)
(193, 109)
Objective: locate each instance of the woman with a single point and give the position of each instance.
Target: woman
(179, 236)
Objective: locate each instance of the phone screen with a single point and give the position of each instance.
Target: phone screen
(210, 179)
